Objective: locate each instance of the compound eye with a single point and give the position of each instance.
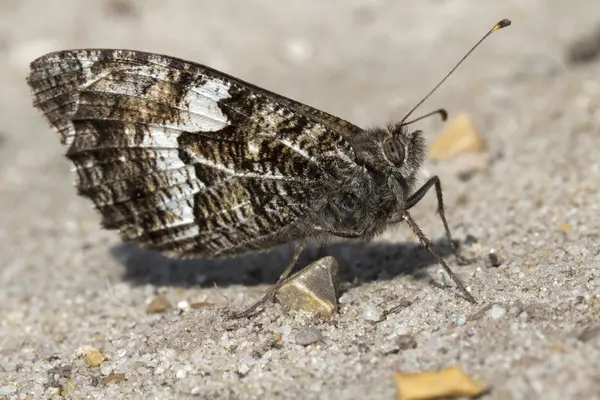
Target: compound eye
(393, 150)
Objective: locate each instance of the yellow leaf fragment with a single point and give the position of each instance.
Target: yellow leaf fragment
(447, 383)
(201, 304)
(159, 305)
(566, 228)
(458, 138)
(94, 357)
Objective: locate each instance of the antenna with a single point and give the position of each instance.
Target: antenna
(502, 24)
(442, 112)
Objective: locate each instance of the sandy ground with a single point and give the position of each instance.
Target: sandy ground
(68, 286)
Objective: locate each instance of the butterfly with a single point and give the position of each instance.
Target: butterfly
(191, 162)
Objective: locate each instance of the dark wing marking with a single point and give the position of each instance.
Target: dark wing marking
(182, 158)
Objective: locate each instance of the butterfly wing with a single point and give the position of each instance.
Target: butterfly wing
(184, 159)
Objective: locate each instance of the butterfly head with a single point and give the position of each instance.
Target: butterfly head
(404, 151)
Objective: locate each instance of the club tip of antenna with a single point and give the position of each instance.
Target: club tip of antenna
(502, 24)
(443, 114)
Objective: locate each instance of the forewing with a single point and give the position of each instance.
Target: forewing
(184, 159)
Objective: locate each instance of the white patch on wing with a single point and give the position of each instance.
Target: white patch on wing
(199, 109)
(158, 136)
(182, 214)
(253, 148)
(202, 102)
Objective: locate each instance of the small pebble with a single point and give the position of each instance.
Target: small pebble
(196, 390)
(345, 299)
(493, 260)
(371, 313)
(405, 342)
(497, 311)
(181, 374)
(159, 305)
(106, 369)
(243, 369)
(113, 378)
(446, 280)
(183, 306)
(286, 334)
(308, 336)
(142, 370)
(159, 370)
(94, 357)
(461, 320)
(313, 289)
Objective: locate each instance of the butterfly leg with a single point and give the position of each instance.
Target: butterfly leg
(419, 194)
(273, 289)
(429, 247)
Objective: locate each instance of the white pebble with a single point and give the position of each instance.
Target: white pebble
(142, 370)
(243, 369)
(497, 311)
(345, 298)
(446, 280)
(181, 374)
(106, 368)
(196, 390)
(371, 313)
(183, 306)
(286, 334)
(308, 336)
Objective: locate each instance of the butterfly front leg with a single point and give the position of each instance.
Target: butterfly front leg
(429, 247)
(419, 194)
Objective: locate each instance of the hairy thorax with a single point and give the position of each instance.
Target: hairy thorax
(360, 204)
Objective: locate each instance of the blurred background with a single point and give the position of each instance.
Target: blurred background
(532, 91)
(367, 61)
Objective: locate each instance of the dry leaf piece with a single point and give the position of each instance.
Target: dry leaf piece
(94, 357)
(448, 383)
(159, 305)
(458, 138)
